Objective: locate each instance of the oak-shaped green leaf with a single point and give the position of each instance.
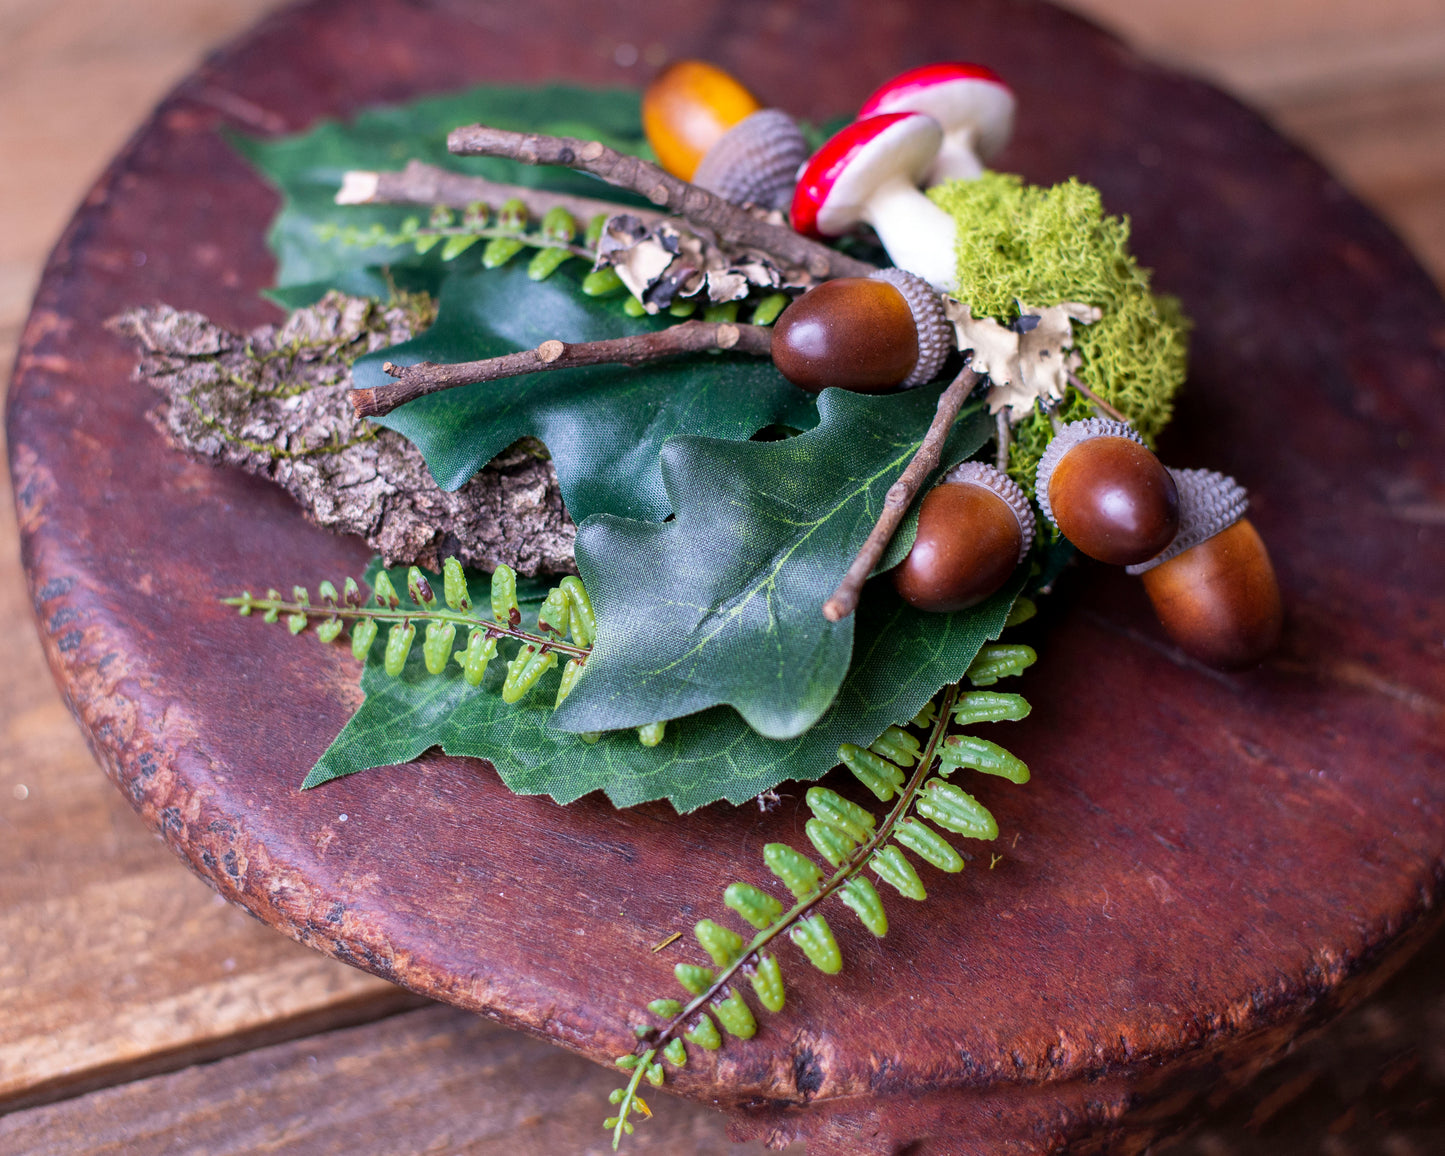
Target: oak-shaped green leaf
(307, 168)
(603, 425)
(901, 657)
(723, 603)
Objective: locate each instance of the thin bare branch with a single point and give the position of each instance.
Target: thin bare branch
(414, 381)
(1003, 438)
(423, 184)
(732, 224)
(900, 496)
(1096, 399)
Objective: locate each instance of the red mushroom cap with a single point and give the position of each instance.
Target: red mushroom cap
(841, 174)
(940, 89)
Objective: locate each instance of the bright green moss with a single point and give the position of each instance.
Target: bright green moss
(1042, 246)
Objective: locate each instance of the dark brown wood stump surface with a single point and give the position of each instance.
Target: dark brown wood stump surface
(1203, 864)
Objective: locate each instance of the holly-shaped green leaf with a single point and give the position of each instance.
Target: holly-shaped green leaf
(723, 603)
(603, 425)
(901, 657)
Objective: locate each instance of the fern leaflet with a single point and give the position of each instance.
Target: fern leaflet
(849, 838)
(566, 627)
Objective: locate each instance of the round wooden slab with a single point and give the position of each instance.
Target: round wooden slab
(1202, 864)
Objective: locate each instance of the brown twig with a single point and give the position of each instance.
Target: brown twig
(900, 496)
(414, 381)
(423, 184)
(1096, 399)
(733, 225)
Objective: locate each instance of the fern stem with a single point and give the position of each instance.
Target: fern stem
(629, 1097)
(498, 629)
(423, 184)
(533, 240)
(850, 867)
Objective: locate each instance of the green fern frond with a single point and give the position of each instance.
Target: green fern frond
(850, 838)
(566, 627)
(509, 231)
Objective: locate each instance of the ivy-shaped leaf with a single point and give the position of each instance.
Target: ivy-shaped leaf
(723, 604)
(603, 425)
(901, 657)
(307, 168)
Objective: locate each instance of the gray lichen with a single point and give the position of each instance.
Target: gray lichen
(273, 402)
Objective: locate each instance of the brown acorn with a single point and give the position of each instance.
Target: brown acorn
(688, 108)
(866, 334)
(1107, 492)
(1214, 588)
(974, 527)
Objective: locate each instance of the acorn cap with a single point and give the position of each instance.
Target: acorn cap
(1209, 502)
(756, 161)
(1075, 433)
(981, 474)
(936, 334)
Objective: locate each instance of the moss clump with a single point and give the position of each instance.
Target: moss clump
(1042, 246)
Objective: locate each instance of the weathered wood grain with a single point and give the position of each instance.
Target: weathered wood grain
(112, 959)
(1373, 1082)
(77, 78)
(442, 1081)
(437, 1081)
(1189, 949)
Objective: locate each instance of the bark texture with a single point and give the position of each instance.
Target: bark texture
(274, 403)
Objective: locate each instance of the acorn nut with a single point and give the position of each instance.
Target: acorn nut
(866, 334)
(1214, 588)
(974, 527)
(1107, 492)
(687, 109)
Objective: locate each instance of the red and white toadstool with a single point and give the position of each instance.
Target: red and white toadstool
(971, 102)
(869, 172)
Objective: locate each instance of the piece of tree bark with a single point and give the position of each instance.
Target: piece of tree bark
(274, 403)
(732, 224)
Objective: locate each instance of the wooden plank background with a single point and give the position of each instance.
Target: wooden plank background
(121, 976)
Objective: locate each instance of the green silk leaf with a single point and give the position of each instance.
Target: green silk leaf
(307, 168)
(606, 428)
(603, 425)
(901, 658)
(722, 605)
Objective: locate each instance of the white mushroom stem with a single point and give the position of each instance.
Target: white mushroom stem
(918, 235)
(957, 159)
